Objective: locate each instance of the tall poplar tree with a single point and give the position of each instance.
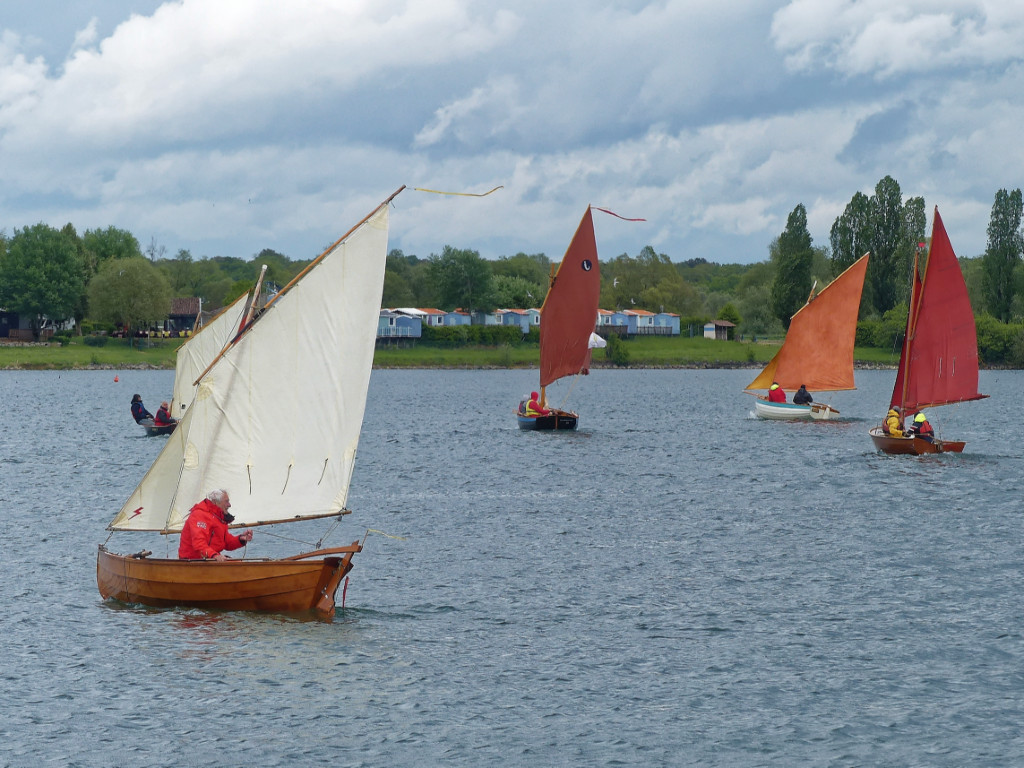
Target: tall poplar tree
(1002, 253)
(885, 274)
(794, 258)
(850, 236)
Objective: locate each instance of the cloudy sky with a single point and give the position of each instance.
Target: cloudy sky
(231, 126)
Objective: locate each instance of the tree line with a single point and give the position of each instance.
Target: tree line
(103, 275)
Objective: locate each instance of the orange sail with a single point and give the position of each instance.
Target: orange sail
(569, 314)
(818, 350)
(939, 363)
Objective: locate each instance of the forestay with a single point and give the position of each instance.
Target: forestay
(276, 420)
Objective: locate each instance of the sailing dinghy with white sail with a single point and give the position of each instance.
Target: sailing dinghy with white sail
(275, 421)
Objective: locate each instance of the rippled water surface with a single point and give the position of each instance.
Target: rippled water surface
(677, 583)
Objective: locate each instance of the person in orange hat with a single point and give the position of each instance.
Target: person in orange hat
(163, 415)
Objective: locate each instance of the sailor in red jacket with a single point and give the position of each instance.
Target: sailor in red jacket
(163, 416)
(776, 394)
(205, 534)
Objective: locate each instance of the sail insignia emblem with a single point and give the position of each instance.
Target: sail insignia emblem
(587, 265)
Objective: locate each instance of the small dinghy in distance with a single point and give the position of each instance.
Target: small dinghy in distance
(568, 318)
(818, 349)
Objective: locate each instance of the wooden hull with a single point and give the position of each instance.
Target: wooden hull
(912, 446)
(786, 411)
(152, 430)
(556, 420)
(278, 586)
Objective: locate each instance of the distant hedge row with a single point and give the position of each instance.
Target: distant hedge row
(998, 343)
(483, 335)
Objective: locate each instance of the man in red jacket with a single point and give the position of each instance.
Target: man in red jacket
(205, 534)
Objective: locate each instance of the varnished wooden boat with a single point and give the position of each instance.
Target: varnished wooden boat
(249, 430)
(911, 445)
(292, 585)
(556, 420)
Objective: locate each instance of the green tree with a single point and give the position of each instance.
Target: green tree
(99, 245)
(617, 352)
(886, 274)
(397, 292)
(463, 279)
(513, 292)
(793, 258)
(1002, 254)
(129, 292)
(41, 275)
(850, 236)
(533, 268)
(730, 313)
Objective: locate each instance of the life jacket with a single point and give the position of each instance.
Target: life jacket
(887, 427)
(533, 409)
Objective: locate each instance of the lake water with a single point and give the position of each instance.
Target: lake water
(677, 583)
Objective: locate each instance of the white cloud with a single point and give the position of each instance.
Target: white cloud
(232, 126)
(884, 39)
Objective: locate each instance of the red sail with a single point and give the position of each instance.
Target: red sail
(569, 313)
(940, 359)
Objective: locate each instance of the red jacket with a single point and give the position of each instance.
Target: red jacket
(776, 395)
(206, 533)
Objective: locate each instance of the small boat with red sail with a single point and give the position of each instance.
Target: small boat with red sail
(567, 321)
(818, 349)
(939, 358)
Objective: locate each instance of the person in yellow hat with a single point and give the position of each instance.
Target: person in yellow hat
(922, 428)
(776, 394)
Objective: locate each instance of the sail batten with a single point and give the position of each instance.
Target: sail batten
(256, 427)
(569, 312)
(939, 358)
(818, 349)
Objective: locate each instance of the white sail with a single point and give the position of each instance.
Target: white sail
(198, 352)
(276, 421)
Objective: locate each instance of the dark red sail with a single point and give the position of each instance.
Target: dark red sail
(939, 364)
(569, 314)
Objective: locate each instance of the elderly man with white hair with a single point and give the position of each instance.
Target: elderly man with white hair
(205, 535)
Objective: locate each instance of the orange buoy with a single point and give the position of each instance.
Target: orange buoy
(115, 378)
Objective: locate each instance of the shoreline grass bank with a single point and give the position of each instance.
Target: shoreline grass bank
(643, 352)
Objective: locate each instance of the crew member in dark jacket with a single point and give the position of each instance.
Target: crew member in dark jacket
(139, 411)
(802, 396)
(921, 428)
